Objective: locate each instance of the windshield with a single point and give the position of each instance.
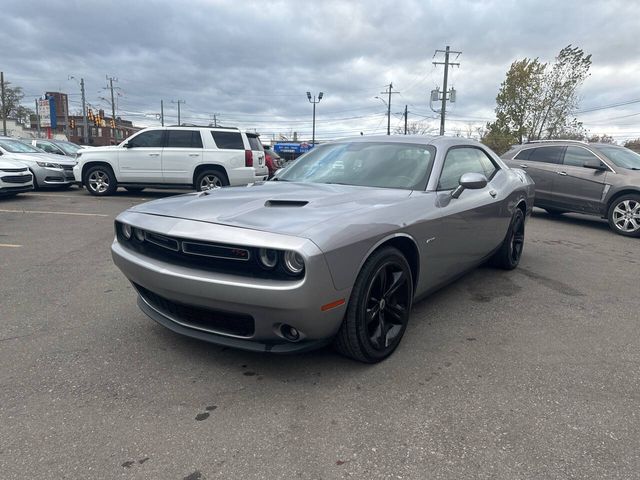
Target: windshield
(15, 146)
(68, 147)
(367, 164)
(622, 157)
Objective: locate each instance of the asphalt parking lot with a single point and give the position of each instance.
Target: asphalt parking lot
(533, 373)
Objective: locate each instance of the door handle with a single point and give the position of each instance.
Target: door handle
(524, 166)
(154, 154)
(564, 174)
(194, 154)
(493, 193)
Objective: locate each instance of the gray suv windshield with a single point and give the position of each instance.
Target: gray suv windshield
(622, 157)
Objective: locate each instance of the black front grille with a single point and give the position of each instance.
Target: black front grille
(200, 318)
(13, 170)
(17, 179)
(67, 167)
(213, 257)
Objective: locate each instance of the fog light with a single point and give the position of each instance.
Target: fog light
(268, 258)
(293, 262)
(290, 333)
(139, 234)
(126, 231)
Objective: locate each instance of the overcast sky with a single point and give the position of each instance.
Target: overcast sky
(252, 62)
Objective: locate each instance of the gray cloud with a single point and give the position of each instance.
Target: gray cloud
(251, 62)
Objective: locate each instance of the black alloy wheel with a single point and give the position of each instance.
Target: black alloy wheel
(508, 255)
(379, 308)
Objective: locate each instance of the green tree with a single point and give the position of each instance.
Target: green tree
(536, 99)
(414, 128)
(604, 138)
(11, 107)
(633, 145)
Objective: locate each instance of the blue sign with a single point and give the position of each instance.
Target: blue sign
(52, 109)
(297, 148)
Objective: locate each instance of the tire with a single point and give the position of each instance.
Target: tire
(100, 181)
(375, 321)
(508, 255)
(555, 211)
(134, 189)
(624, 215)
(210, 179)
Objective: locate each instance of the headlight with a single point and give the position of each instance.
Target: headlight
(268, 258)
(126, 230)
(48, 165)
(139, 234)
(293, 262)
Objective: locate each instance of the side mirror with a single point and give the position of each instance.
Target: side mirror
(471, 181)
(594, 164)
(127, 145)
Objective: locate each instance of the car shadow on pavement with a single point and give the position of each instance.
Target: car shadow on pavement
(574, 219)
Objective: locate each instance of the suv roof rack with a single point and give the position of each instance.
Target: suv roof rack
(192, 125)
(556, 140)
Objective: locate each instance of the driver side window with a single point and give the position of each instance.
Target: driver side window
(152, 138)
(463, 160)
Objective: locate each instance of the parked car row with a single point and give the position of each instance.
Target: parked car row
(45, 169)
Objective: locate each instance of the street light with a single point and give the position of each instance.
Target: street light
(314, 101)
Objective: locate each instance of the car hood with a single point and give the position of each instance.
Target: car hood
(279, 207)
(41, 157)
(10, 163)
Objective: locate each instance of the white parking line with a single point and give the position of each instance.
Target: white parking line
(136, 199)
(56, 213)
(9, 245)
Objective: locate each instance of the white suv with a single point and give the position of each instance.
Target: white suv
(173, 157)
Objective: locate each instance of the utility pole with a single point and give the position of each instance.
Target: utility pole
(37, 118)
(162, 112)
(405, 119)
(113, 106)
(85, 123)
(446, 64)
(4, 116)
(178, 102)
(66, 117)
(389, 91)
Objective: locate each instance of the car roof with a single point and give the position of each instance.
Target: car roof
(435, 140)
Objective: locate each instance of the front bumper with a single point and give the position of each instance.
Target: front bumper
(269, 303)
(53, 177)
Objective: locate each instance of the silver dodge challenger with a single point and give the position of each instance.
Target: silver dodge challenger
(335, 248)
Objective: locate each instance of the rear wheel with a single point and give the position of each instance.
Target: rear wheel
(508, 256)
(211, 179)
(624, 215)
(379, 308)
(101, 181)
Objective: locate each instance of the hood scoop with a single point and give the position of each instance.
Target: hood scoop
(285, 203)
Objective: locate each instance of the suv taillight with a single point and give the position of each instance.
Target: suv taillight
(248, 158)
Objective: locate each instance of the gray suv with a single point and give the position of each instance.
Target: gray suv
(592, 178)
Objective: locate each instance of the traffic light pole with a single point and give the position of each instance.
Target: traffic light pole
(85, 123)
